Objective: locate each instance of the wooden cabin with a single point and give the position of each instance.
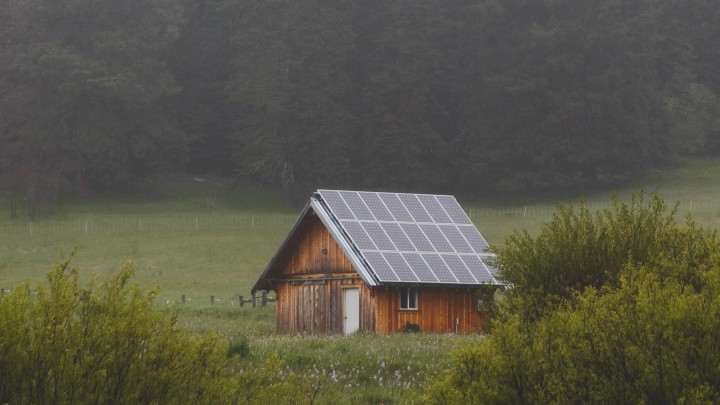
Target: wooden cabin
(380, 262)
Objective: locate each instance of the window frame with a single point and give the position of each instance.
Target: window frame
(408, 296)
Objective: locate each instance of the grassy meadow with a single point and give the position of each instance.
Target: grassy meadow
(214, 237)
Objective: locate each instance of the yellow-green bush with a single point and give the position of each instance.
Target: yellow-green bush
(647, 332)
(63, 343)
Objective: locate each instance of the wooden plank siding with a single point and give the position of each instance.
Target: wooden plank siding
(308, 307)
(314, 252)
(310, 281)
(438, 307)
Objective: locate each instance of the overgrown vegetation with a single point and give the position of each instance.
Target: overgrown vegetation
(63, 343)
(616, 307)
(579, 248)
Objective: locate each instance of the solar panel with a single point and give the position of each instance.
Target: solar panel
(357, 206)
(376, 206)
(436, 238)
(376, 233)
(401, 268)
(438, 266)
(453, 209)
(381, 267)
(411, 238)
(418, 238)
(474, 238)
(398, 237)
(396, 207)
(358, 235)
(433, 207)
(421, 268)
(415, 208)
(478, 269)
(456, 238)
(457, 266)
(339, 208)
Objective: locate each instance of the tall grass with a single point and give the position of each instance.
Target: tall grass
(357, 369)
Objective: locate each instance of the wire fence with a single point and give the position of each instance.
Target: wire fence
(244, 222)
(93, 226)
(527, 211)
(547, 210)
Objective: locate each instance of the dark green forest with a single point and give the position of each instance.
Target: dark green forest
(423, 95)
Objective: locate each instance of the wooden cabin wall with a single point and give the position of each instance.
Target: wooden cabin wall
(310, 281)
(313, 307)
(314, 252)
(437, 310)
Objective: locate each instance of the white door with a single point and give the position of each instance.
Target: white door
(351, 309)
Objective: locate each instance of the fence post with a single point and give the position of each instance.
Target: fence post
(242, 302)
(182, 298)
(264, 298)
(212, 300)
(254, 300)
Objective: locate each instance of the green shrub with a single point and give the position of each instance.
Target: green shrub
(579, 249)
(104, 343)
(651, 340)
(240, 348)
(643, 329)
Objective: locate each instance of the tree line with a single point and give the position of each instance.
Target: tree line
(422, 95)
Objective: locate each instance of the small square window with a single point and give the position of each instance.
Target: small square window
(408, 298)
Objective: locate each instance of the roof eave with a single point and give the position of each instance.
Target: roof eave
(343, 240)
(314, 205)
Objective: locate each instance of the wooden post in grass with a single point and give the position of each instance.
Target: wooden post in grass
(212, 300)
(242, 302)
(182, 299)
(264, 298)
(254, 300)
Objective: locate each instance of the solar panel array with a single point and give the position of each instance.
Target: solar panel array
(413, 238)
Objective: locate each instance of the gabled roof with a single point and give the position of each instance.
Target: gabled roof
(399, 238)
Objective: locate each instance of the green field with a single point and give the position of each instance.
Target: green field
(203, 239)
(214, 238)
